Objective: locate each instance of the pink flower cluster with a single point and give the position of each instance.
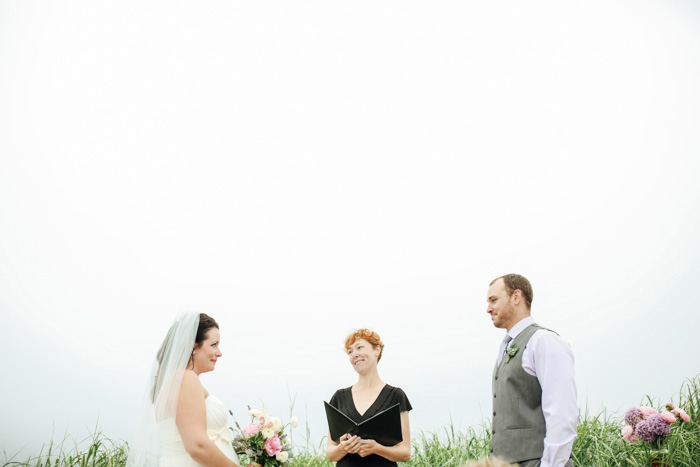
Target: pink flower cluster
(251, 429)
(273, 446)
(685, 418)
(647, 424)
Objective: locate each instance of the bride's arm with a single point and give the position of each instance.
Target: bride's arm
(191, 421)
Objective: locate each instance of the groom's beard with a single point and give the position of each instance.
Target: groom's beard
(504, 315)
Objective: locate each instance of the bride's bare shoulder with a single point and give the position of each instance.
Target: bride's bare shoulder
(191, 384)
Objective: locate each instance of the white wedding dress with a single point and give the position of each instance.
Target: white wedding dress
(173, 449)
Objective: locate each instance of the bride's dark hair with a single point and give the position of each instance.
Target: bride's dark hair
(206, 323)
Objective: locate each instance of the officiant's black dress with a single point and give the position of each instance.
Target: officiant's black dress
(389, 396)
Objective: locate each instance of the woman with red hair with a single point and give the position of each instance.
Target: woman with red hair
(366, 398)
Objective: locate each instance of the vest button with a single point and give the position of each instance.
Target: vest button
(496, 377)
(491, 451)
(493, 432)
(494, 414)
(494, 396)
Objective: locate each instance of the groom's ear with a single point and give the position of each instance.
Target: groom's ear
(517, 296)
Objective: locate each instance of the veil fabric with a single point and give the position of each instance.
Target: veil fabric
(162, 390)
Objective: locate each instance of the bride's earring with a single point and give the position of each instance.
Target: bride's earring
(194, 352)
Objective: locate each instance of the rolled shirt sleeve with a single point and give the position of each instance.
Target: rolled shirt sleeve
(549, 358)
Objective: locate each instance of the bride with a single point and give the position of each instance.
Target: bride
(182, 425)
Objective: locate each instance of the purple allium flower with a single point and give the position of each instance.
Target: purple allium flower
(651, 428)
(633, 416)
(645, 432)
(659, 425)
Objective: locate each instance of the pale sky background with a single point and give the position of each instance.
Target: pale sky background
(300, 169)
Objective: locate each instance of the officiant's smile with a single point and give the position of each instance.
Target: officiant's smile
(364, 355)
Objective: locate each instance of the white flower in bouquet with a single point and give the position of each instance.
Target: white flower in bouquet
(294, 422)
(254, 413)
(282, 456)
(276, 424)
(268, 433)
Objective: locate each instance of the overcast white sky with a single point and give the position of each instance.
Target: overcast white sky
(298, 170)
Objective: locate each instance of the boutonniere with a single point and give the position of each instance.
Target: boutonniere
(511, 351)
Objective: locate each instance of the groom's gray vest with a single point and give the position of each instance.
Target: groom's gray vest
(518, 427)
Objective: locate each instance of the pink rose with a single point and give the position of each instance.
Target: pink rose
(684, 416)
(251, 429)
(647, 411)
(668, 417)
(273, 446)
(629, 435)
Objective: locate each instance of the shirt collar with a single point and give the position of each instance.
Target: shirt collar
(522, 324)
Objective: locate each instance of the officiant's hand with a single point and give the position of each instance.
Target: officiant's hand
(350, 444)
(367, 447)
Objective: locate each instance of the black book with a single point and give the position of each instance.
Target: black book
(384, 427)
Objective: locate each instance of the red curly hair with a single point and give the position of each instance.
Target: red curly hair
(368, 335)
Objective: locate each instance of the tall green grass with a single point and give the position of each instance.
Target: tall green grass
(599, 444)
(99, 452)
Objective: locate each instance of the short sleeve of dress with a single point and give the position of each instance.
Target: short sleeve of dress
(335, 399)
(401, 398)
(342, 401)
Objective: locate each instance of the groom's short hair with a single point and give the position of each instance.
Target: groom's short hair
(515, 282)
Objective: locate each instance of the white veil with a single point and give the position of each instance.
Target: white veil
(162, 389)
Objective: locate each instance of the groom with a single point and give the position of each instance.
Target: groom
(534, 392)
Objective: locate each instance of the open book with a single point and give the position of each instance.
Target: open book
(384, 427)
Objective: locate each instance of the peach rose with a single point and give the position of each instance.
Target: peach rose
(668, 417)
(684, 416)
(647, 411)
(629, 435)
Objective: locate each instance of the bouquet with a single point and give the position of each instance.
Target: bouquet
(263, 443)
(648, 425)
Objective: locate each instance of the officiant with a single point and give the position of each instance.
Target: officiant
(368, 397)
